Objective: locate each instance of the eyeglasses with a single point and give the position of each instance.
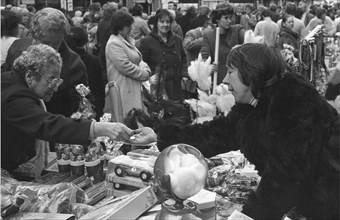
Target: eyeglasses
(54, 83)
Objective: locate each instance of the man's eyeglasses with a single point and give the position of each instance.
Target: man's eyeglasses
(54, 83)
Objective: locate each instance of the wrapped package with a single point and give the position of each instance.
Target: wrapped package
(41, 198)
(85, 110)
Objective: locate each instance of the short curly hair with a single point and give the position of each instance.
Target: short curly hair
(258, 65)
(49, 19)
(221, 10)
(36, 59)
(159, 14)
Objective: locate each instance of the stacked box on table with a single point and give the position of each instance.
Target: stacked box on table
(126, 207)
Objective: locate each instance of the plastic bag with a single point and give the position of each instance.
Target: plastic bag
(56, 198)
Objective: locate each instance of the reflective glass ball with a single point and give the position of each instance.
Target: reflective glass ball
(180, 171)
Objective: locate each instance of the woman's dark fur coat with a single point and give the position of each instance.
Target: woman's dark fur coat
(292, 137)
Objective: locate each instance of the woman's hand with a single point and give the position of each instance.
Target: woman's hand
(143, 136)
(214, 67)
(115, 131)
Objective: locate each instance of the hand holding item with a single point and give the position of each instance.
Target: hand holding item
(143, 136)
(214, 67)
(115, 131)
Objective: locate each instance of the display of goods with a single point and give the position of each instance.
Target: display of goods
(56, 198)
(236, 187)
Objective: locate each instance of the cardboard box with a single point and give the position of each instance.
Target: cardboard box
(42, 216)
(125, 207)
(204, 199)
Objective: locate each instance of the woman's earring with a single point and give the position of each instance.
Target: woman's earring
(253, 102)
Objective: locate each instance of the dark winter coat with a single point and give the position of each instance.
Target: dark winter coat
(73, 72)
(291, 136)
(170, 56)
(23, 121)
(198, 21)
(103, 35)
(288, 36)
(184, 22)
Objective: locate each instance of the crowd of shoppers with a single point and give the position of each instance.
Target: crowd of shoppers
(168, 41)
(280, 121)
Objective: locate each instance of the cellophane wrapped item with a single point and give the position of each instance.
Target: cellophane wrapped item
(77, 153)
(233, 179)
(85, 110)
(63, 151)
(110, 149)
(41, 198)
(94, 151)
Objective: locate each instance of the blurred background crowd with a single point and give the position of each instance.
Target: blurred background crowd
(159, 46)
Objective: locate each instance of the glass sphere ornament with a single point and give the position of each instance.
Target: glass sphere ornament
(180, 172)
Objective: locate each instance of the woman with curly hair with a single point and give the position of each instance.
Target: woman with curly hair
(25, 123)
(50, 26)
(163, 51)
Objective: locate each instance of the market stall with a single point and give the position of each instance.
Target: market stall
(127, 191)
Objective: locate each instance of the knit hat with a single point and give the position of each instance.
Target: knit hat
(204, 10)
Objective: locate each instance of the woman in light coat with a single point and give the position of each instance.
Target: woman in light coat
(125, 69)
